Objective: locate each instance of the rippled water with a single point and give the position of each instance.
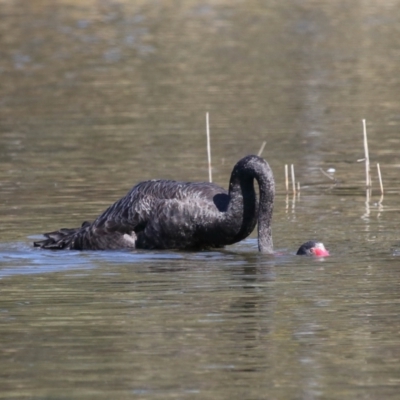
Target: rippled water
(97, 96)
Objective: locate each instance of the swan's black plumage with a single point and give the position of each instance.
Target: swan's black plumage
(162, 214)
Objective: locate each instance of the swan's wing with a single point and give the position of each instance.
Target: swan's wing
(159, 200)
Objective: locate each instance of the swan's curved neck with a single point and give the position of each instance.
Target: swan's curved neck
(242, 210)
(244, 203)
(267, 193)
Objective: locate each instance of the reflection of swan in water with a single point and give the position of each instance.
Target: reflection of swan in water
(161, 214)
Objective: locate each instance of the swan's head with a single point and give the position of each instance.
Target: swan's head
(312, 248)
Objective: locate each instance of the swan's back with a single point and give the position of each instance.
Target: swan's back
(142, 200)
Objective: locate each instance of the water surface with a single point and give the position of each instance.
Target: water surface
(97, 96)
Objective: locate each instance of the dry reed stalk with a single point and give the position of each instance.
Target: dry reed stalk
(286, 178)
(293, 178)
(208, 147)
(380, 177)
(327, 175)
(367, 168)
(261, 149)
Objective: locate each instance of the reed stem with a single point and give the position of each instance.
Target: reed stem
(380, 177)
(293, 178)
(368, 181)
(261, 149)
(286, 178)
(208, 147)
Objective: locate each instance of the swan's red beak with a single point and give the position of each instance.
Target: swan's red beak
(319, 250)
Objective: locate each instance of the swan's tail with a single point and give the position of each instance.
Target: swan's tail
(87, 237)
(64, 238)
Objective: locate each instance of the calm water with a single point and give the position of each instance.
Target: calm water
(96, 96)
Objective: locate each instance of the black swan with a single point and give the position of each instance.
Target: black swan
(163, 214)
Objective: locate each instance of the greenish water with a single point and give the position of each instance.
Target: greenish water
(97, 96)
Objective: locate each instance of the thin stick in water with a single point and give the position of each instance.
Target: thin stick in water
(367, 169)
(208, 148)
(327, 175)
(293, 178)
(286, 178)
(380, 177)
(261, 149)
